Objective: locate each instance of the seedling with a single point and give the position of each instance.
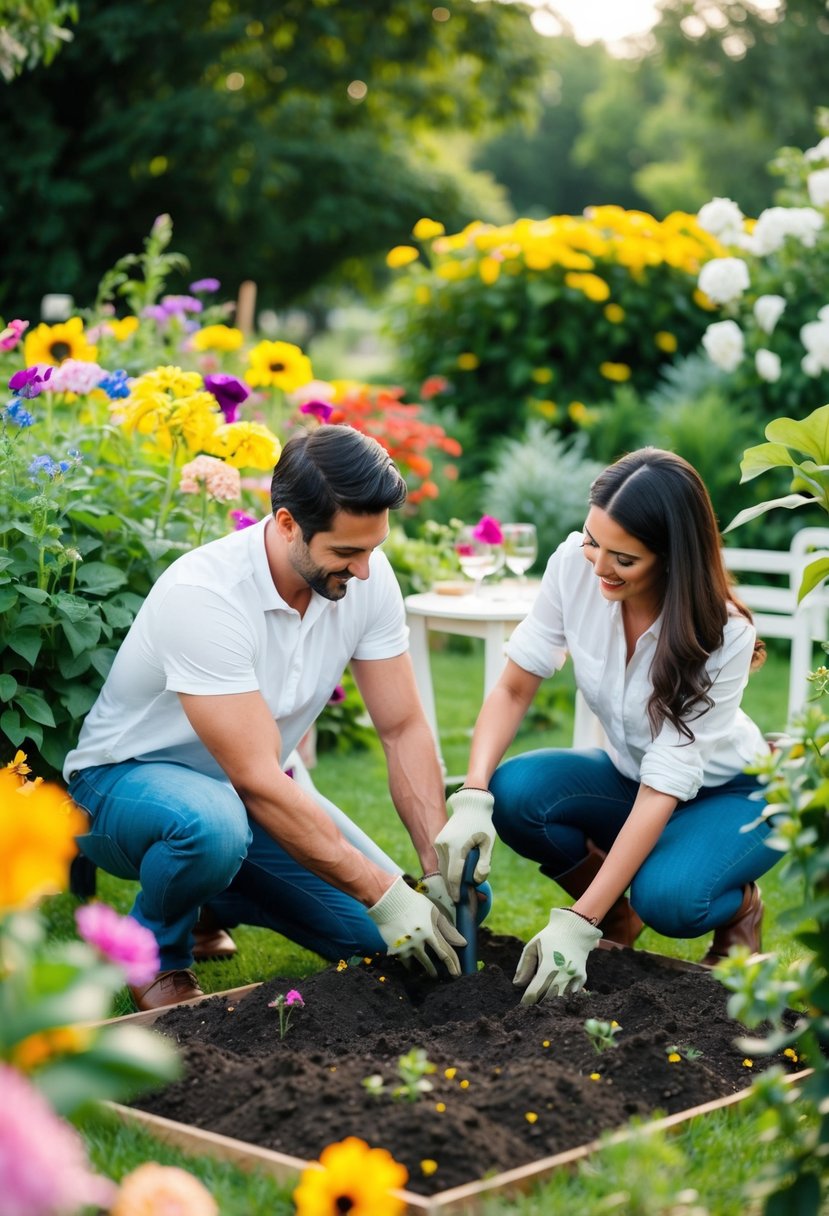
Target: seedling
(412, 1068)
(601, 1034)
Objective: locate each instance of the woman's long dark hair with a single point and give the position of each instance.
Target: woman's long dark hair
(660, 499)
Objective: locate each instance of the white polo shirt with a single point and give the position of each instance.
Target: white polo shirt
(571, 616)
(214, 623)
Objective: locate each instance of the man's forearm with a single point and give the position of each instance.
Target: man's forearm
(417, 790)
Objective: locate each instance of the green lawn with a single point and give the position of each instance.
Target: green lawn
(715, 1156)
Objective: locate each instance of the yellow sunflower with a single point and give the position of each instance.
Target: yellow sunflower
(278, 365)
(245, 445)
(355, 1179)
(217, 337)
(37, 838)
(54, 343)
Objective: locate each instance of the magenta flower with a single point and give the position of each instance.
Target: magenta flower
(337, 696)
(31, 381)
(321, 410)
(242, 520)
(205, 285)
(284, 1005)
(488, 531)
(11, 335)
(294, 998)
(42, 1158)
(229, 392)
(121, 940)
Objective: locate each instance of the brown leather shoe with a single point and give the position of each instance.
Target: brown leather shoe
(744, 929)
(168, 988)
(210, 940)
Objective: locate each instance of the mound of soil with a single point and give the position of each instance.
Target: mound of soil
(511, 1084)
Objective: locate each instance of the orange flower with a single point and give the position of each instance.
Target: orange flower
(37, 837)
(163, 1190)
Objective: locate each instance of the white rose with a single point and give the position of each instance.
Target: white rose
(724, 279)
(722, 218)
(810, 365)
(819, 152)
(818, 185)
(823, 313)
(768, 365)
(724, 344)
(776, 223)
(767, 311)
(815, 337)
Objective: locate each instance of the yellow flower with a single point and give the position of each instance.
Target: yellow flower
(747, 1063)
(546, 408)
(440, 1107)
(464, 1084)
(342, 965)
(37, 838)
(36, 1049)
(401, 255)
(428, 1167)
(450, 1073)
(246, 445)
(531, 1116)
(542, 375)
(614, 313)
(425, 229)
(546, 1043)
(423, 294)
(278, 365)
(791, 1054)
(217, 337)
(615, 371)
(123, 329)
(589, 284)
(54, 343)
(703, 301)
(674, 1057)
(489, 269)
(355, 1179)
(467, 361)
(154, 1188)
(19, 765)
(666, 341)
(171, 407)
(595, 1076)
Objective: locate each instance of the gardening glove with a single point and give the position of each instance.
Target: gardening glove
(434, 887)
(556, 958)
(409, 922)
(469, 827)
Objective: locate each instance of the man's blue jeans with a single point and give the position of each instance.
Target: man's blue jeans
(549, 803)
(188, 840)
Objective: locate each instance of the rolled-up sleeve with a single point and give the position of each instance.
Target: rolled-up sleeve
(672, 764)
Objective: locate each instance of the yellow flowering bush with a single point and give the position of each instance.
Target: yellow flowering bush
(533, 317)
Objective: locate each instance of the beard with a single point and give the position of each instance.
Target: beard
(327, 583)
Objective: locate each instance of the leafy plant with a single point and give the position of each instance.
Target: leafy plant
(413, 1069)
(601, 1034)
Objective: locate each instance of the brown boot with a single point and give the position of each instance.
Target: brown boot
(168, 988)
(210, 940)
(744, 929)
(620, 924)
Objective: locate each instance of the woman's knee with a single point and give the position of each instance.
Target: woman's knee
(667, 906)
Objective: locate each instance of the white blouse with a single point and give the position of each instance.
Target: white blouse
(571, 616)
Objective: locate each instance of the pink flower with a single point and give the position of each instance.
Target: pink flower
(221, 481)
(76, 376)
(163, 1190)
(294, 998)
(120, 939)
(11, 335)
(42, 1159)
(320, 410)
(488, 531)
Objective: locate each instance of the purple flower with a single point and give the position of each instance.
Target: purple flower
(31, 380)
(205, 285)
(242, 520)
(321, 410)
(229, 392)
(121, 939)
(180, 304)
(337, 696)
(488, 531)
(154, 312)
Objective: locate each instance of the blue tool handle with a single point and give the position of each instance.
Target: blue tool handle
(467, 916)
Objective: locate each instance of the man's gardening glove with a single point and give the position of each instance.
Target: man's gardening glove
(556, 958)
(434, 887)
(409, 922)
(469, 827)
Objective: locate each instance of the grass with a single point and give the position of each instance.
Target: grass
(715, 1156)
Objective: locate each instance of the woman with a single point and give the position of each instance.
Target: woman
(661, 650)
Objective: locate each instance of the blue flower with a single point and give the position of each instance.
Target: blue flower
(115, 384)
(17, 413)
(45, 466)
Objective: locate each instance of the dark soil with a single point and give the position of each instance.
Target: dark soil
(298, 1094)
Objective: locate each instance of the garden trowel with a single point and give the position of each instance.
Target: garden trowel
(467, 915)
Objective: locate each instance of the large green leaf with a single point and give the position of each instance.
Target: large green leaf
(810, 436)
(82, 635)
(26, 643)
(16, 732)
(814, 574)
(100, 578)
(763, 457)
(35, 707)
(8, 598)
(79, 700)
(74, 607)
(8, 687)
(789, 501)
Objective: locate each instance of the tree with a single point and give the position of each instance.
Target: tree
(284, 139)
(32, 31)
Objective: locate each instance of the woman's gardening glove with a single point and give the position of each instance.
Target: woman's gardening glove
(409, 922)
(556, 958)
(469, 827)
(434, 887)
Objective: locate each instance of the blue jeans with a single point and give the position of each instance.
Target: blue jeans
(548, 803)
(188, 840)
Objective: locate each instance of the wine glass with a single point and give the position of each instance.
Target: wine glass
(520, 548)
(476, 557)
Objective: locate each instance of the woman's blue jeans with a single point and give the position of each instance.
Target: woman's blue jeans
(549, 803)
(188, 840)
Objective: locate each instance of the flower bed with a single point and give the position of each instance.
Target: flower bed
(511, 1085)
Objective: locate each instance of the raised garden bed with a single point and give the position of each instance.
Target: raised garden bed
(513, 1086)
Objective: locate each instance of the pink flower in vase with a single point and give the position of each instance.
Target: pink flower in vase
(488, 531)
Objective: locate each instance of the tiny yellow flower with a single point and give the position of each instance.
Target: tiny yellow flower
(425, 229)
(123, 329)
(428, 1167)
(342, 965)
(615, 371)
(615, 1025)
(440, 1107)
(464, 1084)
(368, 961)
(614, 313)
(595, 1076)
(449, 1073)
(467, 361)
(590, 285)
(674, 1057)
(666, 341)
(546, 1043)
(19, 765)
(531, 1116)
(791, 1054)
(489, 269)
(547, 409)
(423, 295)
(401, 255)
(747, 1063)
(702, 300)
(382, 979)
(542, 375)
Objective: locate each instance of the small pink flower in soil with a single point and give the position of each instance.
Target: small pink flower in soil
(294, 998)
(121, 940)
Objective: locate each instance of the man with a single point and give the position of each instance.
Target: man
(231, 658)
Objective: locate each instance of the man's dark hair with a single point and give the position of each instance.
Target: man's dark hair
(331, 469)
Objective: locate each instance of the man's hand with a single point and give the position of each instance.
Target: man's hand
(556, 958)
(469, 827)
(409, 922)
(434, 888)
